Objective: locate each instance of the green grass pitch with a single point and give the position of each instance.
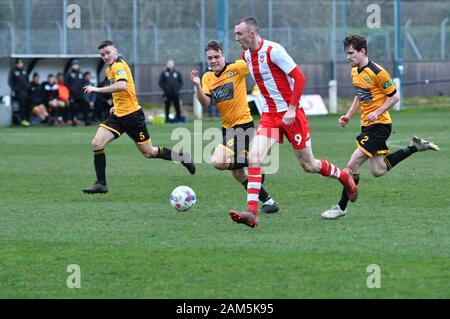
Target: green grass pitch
(130, 243)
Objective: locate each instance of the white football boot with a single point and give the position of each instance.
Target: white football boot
(334, 212)
(423, 145)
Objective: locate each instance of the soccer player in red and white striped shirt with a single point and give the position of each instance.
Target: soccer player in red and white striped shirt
(281, 83)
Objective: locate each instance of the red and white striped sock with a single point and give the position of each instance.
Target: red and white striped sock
(253, 188)
(329, 170)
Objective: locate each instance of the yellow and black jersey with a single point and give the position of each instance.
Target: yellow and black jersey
(125, 102)
(228, 91)
(373, 85)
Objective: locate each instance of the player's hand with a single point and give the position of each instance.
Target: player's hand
(343, 120)
(372, 117)
(194, 77)
(289, 116)
(89, 89)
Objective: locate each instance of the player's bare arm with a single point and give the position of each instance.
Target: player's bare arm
(201, 96)
(345, 119)
(116, 87)
(289, 116)
(390, 102)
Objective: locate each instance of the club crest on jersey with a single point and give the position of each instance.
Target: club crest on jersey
(230, 74)
(367, 79)
(261, 59)
(121, 72)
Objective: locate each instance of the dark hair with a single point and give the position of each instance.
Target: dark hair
(35, 74)
(86, 73)
(105, 44)
(50, 75)
(251, 23)
(214, 45)
(18, 61)
(356, 41)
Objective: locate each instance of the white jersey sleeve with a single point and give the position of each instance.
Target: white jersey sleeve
(282, 59)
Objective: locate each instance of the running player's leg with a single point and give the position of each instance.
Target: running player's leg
(230, 156)
(102, 137)
(259, 149)
(416, 145)
(377, 165)
(150, 151)
(327, 169)
(372, 146)
(242, 149)
(356, 161)
(222, 157)
(136, 129)
(298, 135)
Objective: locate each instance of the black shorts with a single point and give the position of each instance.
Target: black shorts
(372, 140)
(133, 124)
(237, 139)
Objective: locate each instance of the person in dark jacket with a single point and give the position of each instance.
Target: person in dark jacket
(38, 98)
(103, 103)
(74, 81)
(89, 98)
(18, 81)
(171, 82)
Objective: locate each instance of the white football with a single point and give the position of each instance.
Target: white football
(183, 198)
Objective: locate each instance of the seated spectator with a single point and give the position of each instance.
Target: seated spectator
(37, 98)
(64, 96)
(55, 106)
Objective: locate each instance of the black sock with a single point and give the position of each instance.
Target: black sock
(344, 197)
(263, 195)
(393, 159)
(100, 165)
(169, 155)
